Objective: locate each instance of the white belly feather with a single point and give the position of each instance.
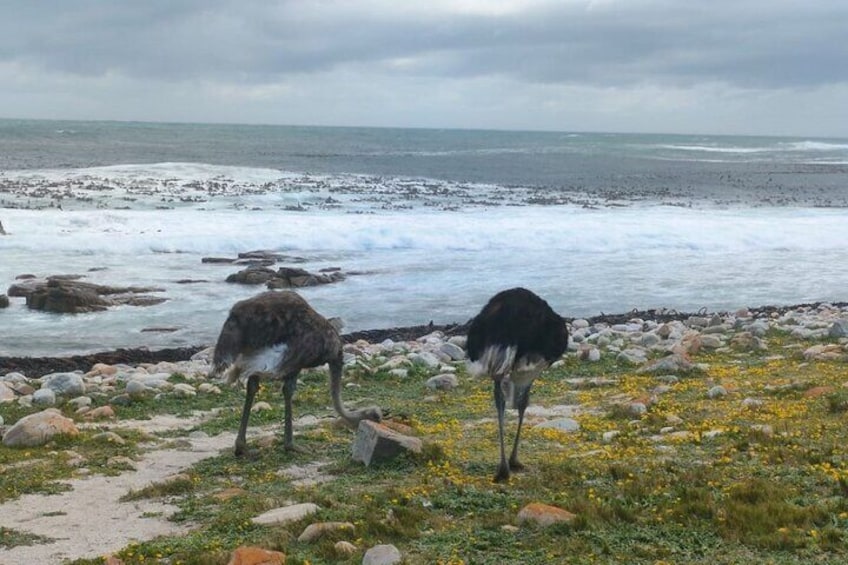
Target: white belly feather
(263, 362)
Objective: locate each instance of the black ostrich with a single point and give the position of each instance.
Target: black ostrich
(513, 338)
(274, 335)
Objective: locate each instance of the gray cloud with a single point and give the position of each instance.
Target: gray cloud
(527, 47)
(753, 43)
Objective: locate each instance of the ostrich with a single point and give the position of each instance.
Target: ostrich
(275, 335)
(514, 337)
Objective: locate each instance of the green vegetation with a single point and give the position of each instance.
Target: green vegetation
(692, 480)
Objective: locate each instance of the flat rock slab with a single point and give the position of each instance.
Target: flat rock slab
(376, 443)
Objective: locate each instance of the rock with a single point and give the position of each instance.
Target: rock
(382, 555)
(632, 356)
(4, 301)
(824, 352)
(818, 391)
(717, 391)
(261, 406)
(316, 531)
(710, 341)
(109, 437)
(453, 351)
(425, 357)
(286, 514)
(752, 403)
(39, 428)
(101, 413)
(136, 389)
(560, 424)
(610, 435)
(121, 462)
(63, 294)
(121, 400)
(44, 397)
(184, 390)
(253, 275)
(249, 555)
(544, 514)
(376, 443)
(80, 401)
(344, 548)
(7, 394)
(838, 329)
(673, 363)
(445, 381)
(65, 384)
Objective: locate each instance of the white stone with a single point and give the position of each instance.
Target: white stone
(286, 514)
(67, 384)
(560, 424)
(445, 381)
(717, 391)
(425, 357)
(455, 352)
(382, 555)
(610, 435)
(44, 397)
(184, 390)
(80, 401)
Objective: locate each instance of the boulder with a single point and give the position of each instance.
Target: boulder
(65, 295)
(44, 397)
(544, 514)
(252, 275)
(39, 428)
(445, 381)
(382, 555)
(314, 532)
(376, 442)
(248, 555)
(4, 301)
(65, 384)
(286, 514)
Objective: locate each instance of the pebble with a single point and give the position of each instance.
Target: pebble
(717, 391)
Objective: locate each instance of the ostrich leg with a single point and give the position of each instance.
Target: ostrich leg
(241, 438)
(289, 385)
(522, 399)
(500, 405)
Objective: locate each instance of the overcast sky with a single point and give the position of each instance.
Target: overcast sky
(687, 66)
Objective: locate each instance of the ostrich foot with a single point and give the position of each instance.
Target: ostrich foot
(502, 475)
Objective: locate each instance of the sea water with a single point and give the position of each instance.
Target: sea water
(427, 224)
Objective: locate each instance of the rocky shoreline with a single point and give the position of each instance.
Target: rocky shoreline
(134, 356)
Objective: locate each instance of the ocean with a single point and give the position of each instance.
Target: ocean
(427, 224)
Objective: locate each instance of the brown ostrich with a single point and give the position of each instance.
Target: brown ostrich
(274, 335)
(513, 338)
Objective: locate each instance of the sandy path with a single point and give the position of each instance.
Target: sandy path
(89, 521)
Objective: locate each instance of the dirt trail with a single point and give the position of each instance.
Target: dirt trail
(88, 520)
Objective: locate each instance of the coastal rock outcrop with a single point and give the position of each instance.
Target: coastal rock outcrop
(67, 295)
(284, 277)
(4, 301)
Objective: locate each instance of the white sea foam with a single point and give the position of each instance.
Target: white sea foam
(420, 265)
(431, 250)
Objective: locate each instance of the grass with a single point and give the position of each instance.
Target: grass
(692, 480)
